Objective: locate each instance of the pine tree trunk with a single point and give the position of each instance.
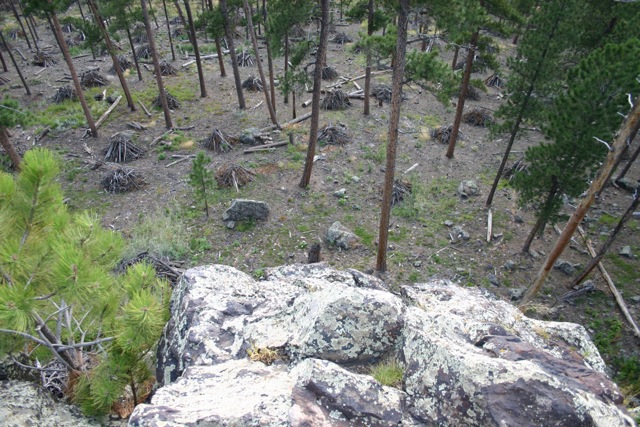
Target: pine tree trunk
(74, 75)
(463, 94)
(367, 72)
(230, 32)
(4, 64)
(17, 16)
(538, 228)
(32, 32)
(166, 17)
(133, 52)
(315, 101)
(272, 86)
(254, 41)
(15, 64)
(112, 53)
(286, 63)
(628, 129)
(629, 163)
(9, 149)
(156, 66)
(293, 104)
(394, 119)
(612, 237)
(454, 61)
(153, 14)
(80, 9)
(196, 51)
(223, 73)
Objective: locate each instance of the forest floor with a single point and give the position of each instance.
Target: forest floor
(164, 218)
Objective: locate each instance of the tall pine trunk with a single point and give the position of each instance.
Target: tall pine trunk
(629, 163)
(15, 64)
(156, 66)
(538, 228)
(4, 64)
(463, 94)
(166, 17)
(230, 32)
(17, 16)
(315, 101)
(72, 71)
(286, 63)
(223, 72)
(196, 51)
(133, 52)
(394, 119)
(367, 73)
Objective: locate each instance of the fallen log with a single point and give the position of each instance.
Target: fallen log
(144, 108)
(106, 113)
(265, 147)
(289, 123)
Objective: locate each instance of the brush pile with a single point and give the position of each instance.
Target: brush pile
(15, 34)
(341, 38)
(400, 190)
(335, 100)
(518, 166)
(143, 52)
(443, 134)
(43, 59)
(71, 42)
(121, 149)
(252, 84)
(92, 78)
(3, 81)
(494, 80)
(244, 59)
(166, 69)
(333, 135)
(166, 269)
(381, 92)
(477, 117)
(235, 176)
(63, 93)
(179, 31)
(473, 94)
(123, 62)
(140, 35)
(175, 20)
(329, 73)
(172, 102)
(297, 31)
(217, 142)
(121, 180)
(67, 28)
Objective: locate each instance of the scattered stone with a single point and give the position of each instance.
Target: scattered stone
(341, 193)
(518, 219)
(534, 254)
(448, 223)
(341, 236)
(636, 214)
(626, 252)
(355, 179)
(564, 266)
(627, 184)
(635, 299)
(517, 293)
(417, 264)
(493, 279)
(468, 188)
(457, 233)
(242, 209)
(509, 265)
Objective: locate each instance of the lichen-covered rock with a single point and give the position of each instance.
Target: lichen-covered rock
(242, 209)
(341, 236)
(468, 358)
(25, 404)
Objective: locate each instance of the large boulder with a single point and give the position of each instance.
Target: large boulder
(467, 358)
(243, 209)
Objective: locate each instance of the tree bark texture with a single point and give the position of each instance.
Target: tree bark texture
(8, 148)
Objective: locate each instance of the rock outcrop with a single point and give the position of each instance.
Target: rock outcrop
(467, 358)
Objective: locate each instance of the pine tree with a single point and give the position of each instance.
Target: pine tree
(201, 180)
(10, 115)
(215, 28)
(228, 20)
(196, 51)
(580, 123)
(58, 290)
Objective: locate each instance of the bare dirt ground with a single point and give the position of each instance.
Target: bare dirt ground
(421, 245)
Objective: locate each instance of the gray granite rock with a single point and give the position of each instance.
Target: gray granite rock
(242, 209)
(341, 236)
(468, 188)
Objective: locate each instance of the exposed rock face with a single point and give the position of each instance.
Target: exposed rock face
(242, 209)
(25, 404)
(468, 359)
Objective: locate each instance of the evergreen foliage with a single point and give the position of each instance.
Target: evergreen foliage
(201, 179)
(58, 291)
(586, 113)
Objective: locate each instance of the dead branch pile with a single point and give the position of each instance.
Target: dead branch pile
(175, 20)
(166, 69)
(518, 166)
(253, 84)
(80, 37)
(3, 81)
(140, 35)
(443, 134)
(143, 52)
(333, 135)
(431, 42)
(43, 59)
(67, 28)
(63, 93)
(172, 102)
(14, 34)
(479, 65)
(341, 38)
(92, 78)
(400, 190)
(233, 176)
(473, 94)
(297, 31)
(123, 62)
(121, 149)
(244, 59)
(71, 42)
(494, 80)
(477, 117)
(217, 141)
(381, 92)
(335, 100)
(329, 73)
(164, 268)
(178, 31)
(121, 180)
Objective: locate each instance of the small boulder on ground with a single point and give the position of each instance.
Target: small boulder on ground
(243, 209)
(468, 188)
(565, 266)
(626, 252)
(341, 236)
